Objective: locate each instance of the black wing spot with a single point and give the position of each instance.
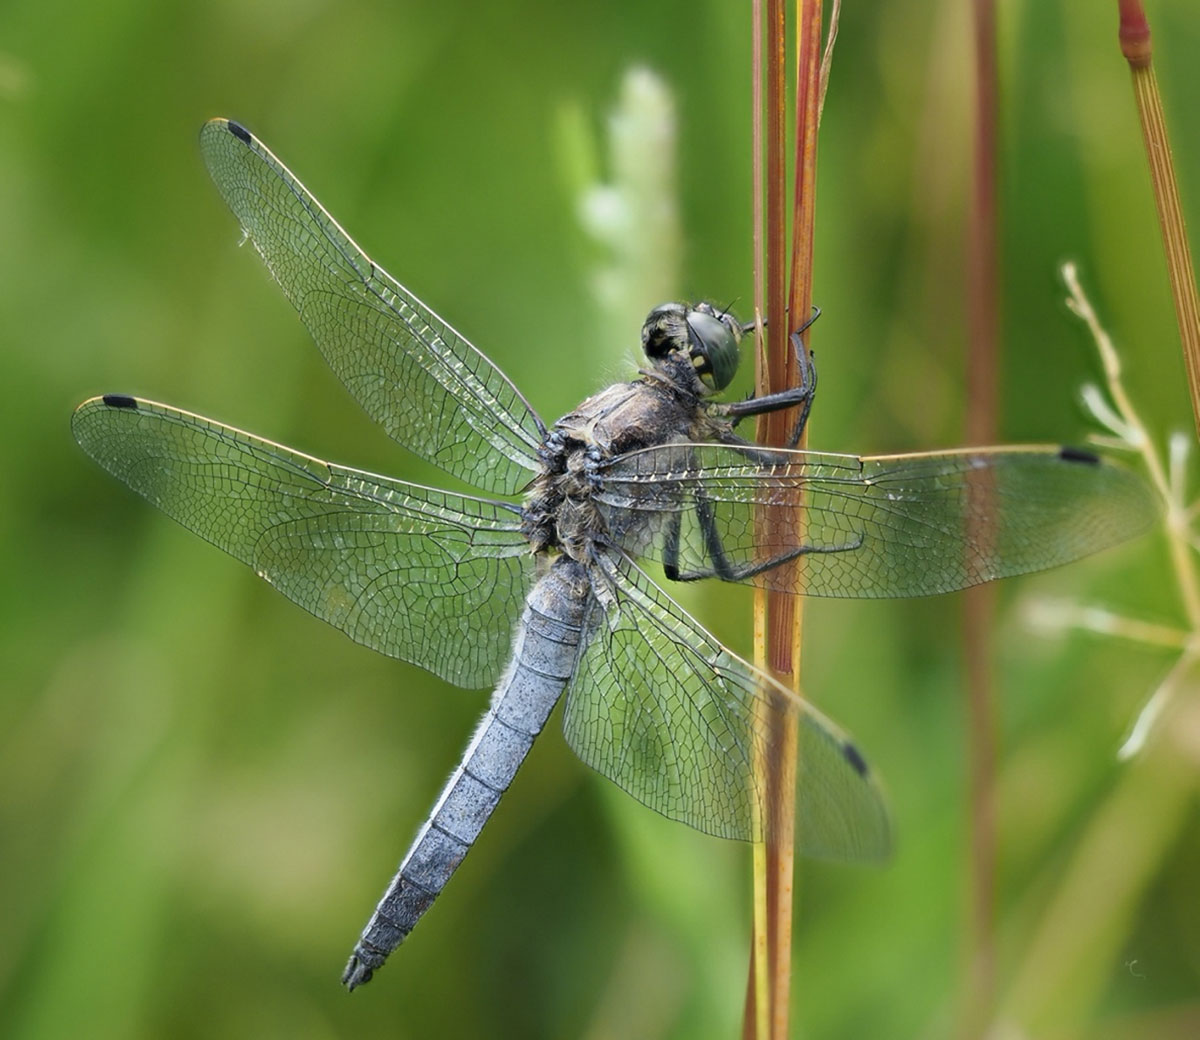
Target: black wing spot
(854, 757)
(239, 131)
(1078, 455)
(120, 401)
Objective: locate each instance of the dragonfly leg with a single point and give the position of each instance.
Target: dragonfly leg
(722, 566)
(801, 395)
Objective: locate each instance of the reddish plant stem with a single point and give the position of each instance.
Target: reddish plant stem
(783, 611)
(777, 617)
(1136, 46)
(983, 315)
(778, 663)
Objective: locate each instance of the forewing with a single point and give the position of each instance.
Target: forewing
(872, 526)
(667, 713)
(433, 578)
(423, 382)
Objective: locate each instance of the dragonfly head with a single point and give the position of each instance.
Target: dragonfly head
(706, 336)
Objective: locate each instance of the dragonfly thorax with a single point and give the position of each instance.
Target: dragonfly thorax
(560, 511)
(706, 337)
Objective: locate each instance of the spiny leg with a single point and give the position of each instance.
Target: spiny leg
(723, 567)
(801, 395)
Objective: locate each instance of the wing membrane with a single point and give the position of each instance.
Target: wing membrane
(667, 713)
(871, 526)
(413, 373)
(433, 578)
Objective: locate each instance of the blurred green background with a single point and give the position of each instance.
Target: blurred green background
(203, 790)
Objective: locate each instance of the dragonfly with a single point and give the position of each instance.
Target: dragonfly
(539, 586)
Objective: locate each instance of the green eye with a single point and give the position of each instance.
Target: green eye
(714, 348)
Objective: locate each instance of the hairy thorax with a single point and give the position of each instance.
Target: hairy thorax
(560, 513)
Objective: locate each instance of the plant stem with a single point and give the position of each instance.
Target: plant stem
(755, 1019)
(778, 615)
(774, 1017)
(983, 311)
(1135, 45)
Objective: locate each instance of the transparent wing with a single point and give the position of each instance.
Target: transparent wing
(423, 382)
(667, 713)
(877, 526)
(432, 578)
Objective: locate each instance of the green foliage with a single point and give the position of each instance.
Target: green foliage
(203, 789)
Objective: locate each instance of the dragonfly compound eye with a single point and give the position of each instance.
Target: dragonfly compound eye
(713, 345)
